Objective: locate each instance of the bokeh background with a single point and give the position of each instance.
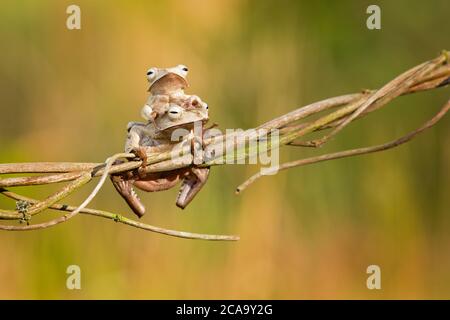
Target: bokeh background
(310, 232)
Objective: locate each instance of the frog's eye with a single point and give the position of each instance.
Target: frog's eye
(151, 74)
(183, 68)
(175, 112)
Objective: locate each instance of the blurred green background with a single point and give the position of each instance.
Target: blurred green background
(306, 233)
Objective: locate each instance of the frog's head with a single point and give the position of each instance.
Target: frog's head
(165, 80)
(176, 116)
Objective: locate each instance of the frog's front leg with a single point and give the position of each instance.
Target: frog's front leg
(135, 142)
(195, 178)
(141, 154)
(156, 106)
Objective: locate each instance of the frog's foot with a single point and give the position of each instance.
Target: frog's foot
(197, 150)
(125, 189)
(191, 185)
(141, 153)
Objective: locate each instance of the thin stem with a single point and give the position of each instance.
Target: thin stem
(121, 219)
(45, 167)
(39, 180)
(109, 162)
(388, 92)
(85, 178)
(353, 152)
(42, 205)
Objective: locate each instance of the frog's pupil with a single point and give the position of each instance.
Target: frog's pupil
(149, 73)
(185, 69)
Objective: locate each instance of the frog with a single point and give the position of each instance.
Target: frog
(167, 97)
(167, 89)
(156, 134)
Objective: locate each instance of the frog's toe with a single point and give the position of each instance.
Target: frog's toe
(141, 154)
(191, 185)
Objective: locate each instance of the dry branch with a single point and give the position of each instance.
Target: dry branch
(342, 111)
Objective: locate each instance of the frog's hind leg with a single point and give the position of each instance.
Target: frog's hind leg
(125, 189)
(191, 185)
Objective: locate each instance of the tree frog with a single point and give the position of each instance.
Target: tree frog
(157, 133)
(167, 89)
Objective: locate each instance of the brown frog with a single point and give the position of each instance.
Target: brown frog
(167, 89)
(177, 112)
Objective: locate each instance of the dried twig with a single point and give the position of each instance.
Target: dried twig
(42, 205)
(353, 152)
(121, 219)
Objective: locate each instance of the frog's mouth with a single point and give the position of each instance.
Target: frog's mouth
(185, 119)
(185, 125)
(168, 83)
